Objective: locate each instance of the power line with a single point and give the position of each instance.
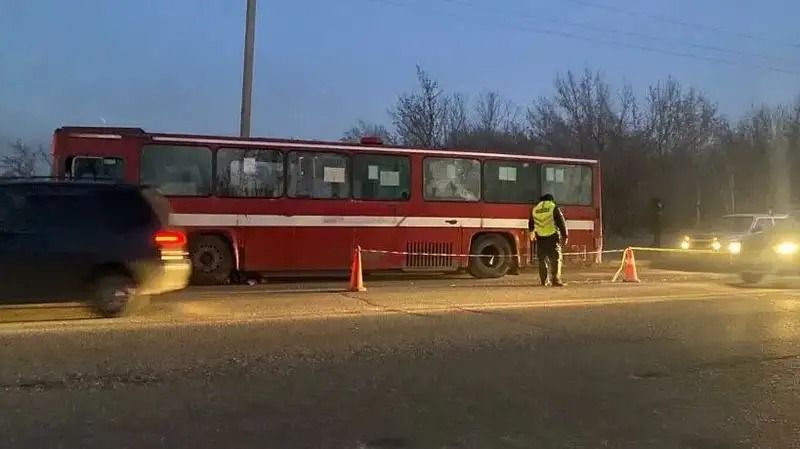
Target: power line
(682, 23)
(610, 42)
(587, 26)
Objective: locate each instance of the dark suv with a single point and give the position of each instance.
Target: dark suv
(108, 245)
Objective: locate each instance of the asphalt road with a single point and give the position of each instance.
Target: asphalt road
(688, 363)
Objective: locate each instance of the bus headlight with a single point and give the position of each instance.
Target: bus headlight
(716, 245)
(786, 248)
(735, 247)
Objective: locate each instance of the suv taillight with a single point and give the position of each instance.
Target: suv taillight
(171, 244)
(170, 239)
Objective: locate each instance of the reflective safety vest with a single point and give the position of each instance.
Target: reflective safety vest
(544, 223)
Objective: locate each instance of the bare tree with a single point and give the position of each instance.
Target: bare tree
(588, 108)
(419, 117)
(679, 125)
(495, 114)
(582, 110)
(366, 129)
(547, 126)
(493, 125)
(671, 142)
(456, 121)
(23, 159)
(678, 119)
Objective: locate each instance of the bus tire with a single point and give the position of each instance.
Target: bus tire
(490, 267)
(212, 260)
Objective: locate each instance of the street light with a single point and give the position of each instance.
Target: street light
(247, 69)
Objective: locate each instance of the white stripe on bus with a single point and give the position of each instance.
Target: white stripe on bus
(231, 220)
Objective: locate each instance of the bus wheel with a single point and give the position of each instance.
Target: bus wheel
(212, 260)
(495, 256)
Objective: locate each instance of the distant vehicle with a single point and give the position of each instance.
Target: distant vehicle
(106, 244)
(725, 233)
(775, 251)
(278, 207)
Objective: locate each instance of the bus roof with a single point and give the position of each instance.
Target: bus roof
(95, 132)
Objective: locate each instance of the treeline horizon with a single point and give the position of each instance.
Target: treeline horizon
(671, 142)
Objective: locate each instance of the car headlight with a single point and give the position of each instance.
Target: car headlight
(786, 248)
(716, 245)
(735, 247)
(685, 244)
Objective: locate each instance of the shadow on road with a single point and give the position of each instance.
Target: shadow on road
(781, 284)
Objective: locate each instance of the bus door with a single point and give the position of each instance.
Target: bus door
(320, 213)
(450, 205)
(381, 201)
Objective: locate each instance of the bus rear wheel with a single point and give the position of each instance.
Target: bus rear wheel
(494, 256)
(212, 260)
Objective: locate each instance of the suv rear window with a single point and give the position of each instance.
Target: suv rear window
(124, 209)
(159, 203)
(69, 207)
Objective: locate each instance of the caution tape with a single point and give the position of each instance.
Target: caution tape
(580, 253)
(678, 250)
(412, 253)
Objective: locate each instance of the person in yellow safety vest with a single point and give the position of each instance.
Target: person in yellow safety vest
(549, 229)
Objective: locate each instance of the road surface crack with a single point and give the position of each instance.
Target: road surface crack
(366, 301)
(82, 381)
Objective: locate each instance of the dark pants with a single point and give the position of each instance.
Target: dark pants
(548, 251)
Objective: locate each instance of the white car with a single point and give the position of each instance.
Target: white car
(725, 233)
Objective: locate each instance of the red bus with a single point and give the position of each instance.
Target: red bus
(281, 207)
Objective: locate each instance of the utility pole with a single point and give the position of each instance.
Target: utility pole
(247, 69)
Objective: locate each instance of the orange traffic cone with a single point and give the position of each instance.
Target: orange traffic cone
(356, 275)
(629, 275)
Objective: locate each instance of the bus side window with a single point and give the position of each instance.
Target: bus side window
(90, 167)
(66, 168)
(85, 167)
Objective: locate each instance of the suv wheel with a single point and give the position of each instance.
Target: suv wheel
(115, 295)
(750, 277)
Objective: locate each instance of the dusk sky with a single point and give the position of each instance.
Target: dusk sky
(321, 65)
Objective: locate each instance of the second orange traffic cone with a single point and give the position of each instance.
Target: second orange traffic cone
(629, 273)
(356, 274)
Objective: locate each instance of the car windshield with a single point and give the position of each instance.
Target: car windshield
(731, 224)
